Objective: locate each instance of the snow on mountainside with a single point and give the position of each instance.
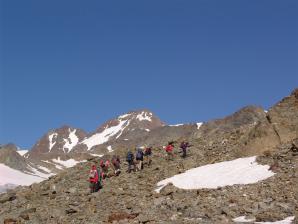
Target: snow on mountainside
(239, 171)
(61, 140)
(22, 152)
(116, 129)
(16, 177)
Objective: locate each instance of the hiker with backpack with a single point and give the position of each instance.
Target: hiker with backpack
(148, 155)
(139, 158)
(169, 150)
(130, 161)
(183, 146)
(103, 169)
(93, 179)
(116, 165)
(107, 169)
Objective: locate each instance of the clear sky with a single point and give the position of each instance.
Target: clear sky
(83, 62)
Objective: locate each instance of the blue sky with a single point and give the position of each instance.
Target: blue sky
(83, 62)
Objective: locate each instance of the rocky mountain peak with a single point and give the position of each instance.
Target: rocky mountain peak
(10, 157)
(121, 128)
(57, 141)
(295, 93)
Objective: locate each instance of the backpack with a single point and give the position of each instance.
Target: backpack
(148, 151)
(139, 154)
(92, 174)
(129, 157)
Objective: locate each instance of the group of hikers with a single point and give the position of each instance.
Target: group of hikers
(143, 156)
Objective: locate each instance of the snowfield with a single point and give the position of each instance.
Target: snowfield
(104, 136)
(15, 177)
(239, 171)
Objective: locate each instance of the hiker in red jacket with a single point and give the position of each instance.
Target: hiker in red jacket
(169, 149)
(93, 179)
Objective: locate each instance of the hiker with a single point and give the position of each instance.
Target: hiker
(183, 146)
(116, 165)
(148, 155)
(99, 184)
(118, 159)
(139, 158)
(130, 161)
(107, 168)
(103, 169)
(169, 149)
(93, 179)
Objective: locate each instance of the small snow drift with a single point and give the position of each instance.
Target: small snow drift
(199, 125)
(239, 171)
(67, 163)
(22, 152)
(110, 149)
(242, 219)
(175, 125)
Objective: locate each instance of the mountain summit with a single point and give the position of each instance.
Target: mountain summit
(124, 127)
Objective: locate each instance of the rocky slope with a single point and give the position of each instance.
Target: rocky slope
(131, 198)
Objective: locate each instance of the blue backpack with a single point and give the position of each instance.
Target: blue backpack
(129, 157)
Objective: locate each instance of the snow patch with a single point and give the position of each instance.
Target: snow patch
(110, 149)
(22, 152)
(287, 220)
(144, 116)
(123, 116)
(123, 130)
(54, 164)
(71, 141)
(176, 125)
(67, 163)
(96, 155)
(104, 136)
(239, 171)
(199, 125)
(44, 169)
(40, 174)
(148, 130)
(242, 219)
(52, 141)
